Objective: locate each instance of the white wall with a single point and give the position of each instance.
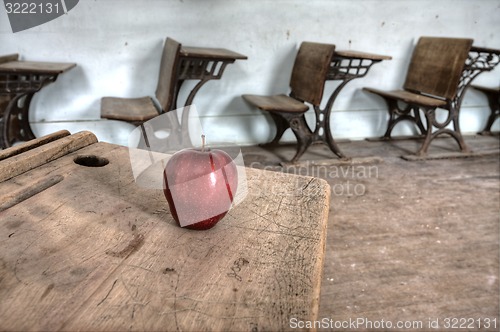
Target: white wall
(117, 46)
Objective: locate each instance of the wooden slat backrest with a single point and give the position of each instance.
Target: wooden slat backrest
(436, 66)
(167, 79)
(309, 71)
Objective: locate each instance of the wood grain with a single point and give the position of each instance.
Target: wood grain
(35, 67)
(9, 58)
(20, 163)
(97, 252)
(29, 145)
(361, 55)
(18, 196)
(128, 109)
(432, 55)
(210, 53)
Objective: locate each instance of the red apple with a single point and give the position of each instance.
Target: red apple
(199, 185)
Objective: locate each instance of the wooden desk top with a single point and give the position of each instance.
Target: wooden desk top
(487, 89)
(85, 248)
(210, 53)
(485, 50)
(361, 55)
(35, 67)
(11, 64)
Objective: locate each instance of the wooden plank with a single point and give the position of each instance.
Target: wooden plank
(361, 55)
(97, 252)
(277, 103)
(451, 155)
(20, 163)
(36, 67)
(17, 149)
(9, 57)
(409, 97)
(128, 109)
(432, 55)
(18, 196)
(422, 240)
(210, 53)
(335, 162)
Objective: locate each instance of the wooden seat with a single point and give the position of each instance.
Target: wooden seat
(134, 110)
(307, 83)
(139, 110)
(432, 82)
(410, 97)
(277, 103)
(493, 95)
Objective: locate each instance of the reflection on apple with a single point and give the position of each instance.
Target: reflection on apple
(200, 185)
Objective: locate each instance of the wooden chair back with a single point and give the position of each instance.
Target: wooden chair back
(436, 66)
(309, 71)
(167, 80)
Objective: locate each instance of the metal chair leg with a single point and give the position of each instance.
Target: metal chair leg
(302, 133)
(430, 118)
(281, 126)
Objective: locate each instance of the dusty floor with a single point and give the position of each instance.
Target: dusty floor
(410, 243)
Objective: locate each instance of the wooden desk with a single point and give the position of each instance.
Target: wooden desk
(202, 64)
(19, 81)
(85, 248)
(479, 60)
(345, 66)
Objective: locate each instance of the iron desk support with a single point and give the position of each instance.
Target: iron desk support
(202, 64)
(482, 59)
(19, 81)
(345, 66)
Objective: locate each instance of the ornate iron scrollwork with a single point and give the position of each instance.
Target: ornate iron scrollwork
(13, 84)
(295, 124)
(479, 60)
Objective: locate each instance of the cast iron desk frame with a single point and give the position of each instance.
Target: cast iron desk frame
(19, 81)
(202, 64)
(345, 66)
(480, 59)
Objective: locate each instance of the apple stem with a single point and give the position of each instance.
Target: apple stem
(203, 143)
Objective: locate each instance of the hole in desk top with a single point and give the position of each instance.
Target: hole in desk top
(91, 161)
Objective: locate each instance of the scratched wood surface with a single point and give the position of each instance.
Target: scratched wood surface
(85, 248)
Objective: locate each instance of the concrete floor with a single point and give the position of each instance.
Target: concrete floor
(411, 244)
